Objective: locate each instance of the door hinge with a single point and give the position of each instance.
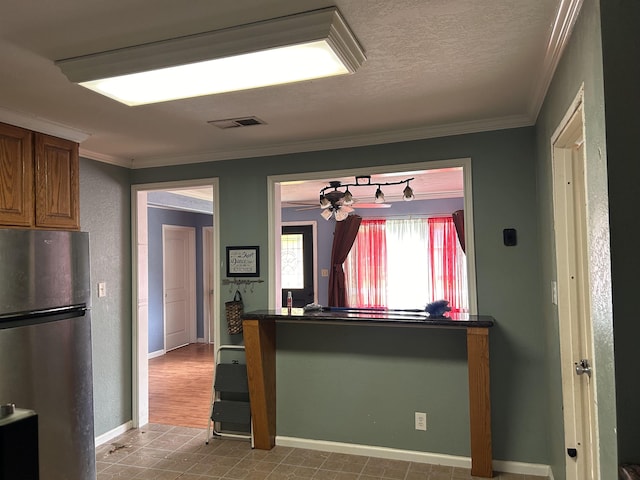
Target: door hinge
(583, 367)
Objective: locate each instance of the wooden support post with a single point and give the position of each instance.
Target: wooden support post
(260, 349)
(479, 401)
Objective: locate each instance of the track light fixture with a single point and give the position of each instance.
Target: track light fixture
(336, 203)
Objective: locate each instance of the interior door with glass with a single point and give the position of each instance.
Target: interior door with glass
(297, 269)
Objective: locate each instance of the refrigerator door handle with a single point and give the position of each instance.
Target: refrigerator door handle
(43, 315)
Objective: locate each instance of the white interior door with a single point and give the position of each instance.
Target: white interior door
(573, 300)
(179, 266)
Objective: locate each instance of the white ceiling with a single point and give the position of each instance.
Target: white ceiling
(433, 68)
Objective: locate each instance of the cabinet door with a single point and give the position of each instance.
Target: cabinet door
(57, 183)
(16, 176)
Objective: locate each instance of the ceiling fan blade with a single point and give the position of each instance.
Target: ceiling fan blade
(309, 207)
(301, 203)
(371, 205)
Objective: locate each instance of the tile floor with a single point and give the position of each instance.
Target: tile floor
(166, 452)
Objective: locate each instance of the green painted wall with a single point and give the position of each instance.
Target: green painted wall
(362, 385)
(392, 373)
(621, 63)
(581, 64)
(105, 212)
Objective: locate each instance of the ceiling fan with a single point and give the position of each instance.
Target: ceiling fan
(340, 203)
(336, 198)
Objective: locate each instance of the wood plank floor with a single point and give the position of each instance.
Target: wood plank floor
(180, 386)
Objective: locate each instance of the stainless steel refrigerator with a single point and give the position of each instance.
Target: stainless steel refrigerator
(45, 344)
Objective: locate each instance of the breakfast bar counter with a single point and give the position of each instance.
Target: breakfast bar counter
(259, 330)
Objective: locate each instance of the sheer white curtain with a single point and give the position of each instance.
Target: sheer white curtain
(409, 279)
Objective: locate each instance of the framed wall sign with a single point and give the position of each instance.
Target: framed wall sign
(243, 261)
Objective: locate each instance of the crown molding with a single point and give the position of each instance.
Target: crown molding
(565, 19)
(406, 135)
(41, 125)
(100, 157)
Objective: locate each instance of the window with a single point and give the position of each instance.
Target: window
(407, 263)
(292, 264)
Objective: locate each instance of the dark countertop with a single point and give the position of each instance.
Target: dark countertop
(364, 317)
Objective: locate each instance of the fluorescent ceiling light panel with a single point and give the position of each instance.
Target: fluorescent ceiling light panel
(283, 50)
(251, 70)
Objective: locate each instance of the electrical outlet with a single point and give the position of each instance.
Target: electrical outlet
(421, 421)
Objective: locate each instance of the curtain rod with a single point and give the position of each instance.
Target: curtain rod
(409, 217)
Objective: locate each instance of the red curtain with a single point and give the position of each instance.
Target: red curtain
(368, 266)
(343, 238)
(444, 265)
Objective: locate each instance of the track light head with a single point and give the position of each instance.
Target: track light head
(407, 193)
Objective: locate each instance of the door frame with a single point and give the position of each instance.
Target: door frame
(314, 240)
(572, 289)
(208, 285)
(275, 216)
(140, 305)
(192, 324)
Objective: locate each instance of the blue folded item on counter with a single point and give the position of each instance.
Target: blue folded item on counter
(438, 308)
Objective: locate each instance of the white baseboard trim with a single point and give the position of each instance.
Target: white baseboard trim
(157, 353)
(411, 456)
(105, 437)
(201, 340)
(536, 469)
(373, 451)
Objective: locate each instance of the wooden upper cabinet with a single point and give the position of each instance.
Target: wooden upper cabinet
(16, 176)
(57, 183)
(39, 180)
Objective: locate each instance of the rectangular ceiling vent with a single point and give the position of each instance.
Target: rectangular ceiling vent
(236, 122)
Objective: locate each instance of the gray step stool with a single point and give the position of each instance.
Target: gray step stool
(230, 407)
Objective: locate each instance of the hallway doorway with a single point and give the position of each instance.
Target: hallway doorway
(148, 292)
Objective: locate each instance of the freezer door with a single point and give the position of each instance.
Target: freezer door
(43, 269)
(46, 368)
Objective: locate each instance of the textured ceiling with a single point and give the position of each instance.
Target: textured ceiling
(434, 67)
